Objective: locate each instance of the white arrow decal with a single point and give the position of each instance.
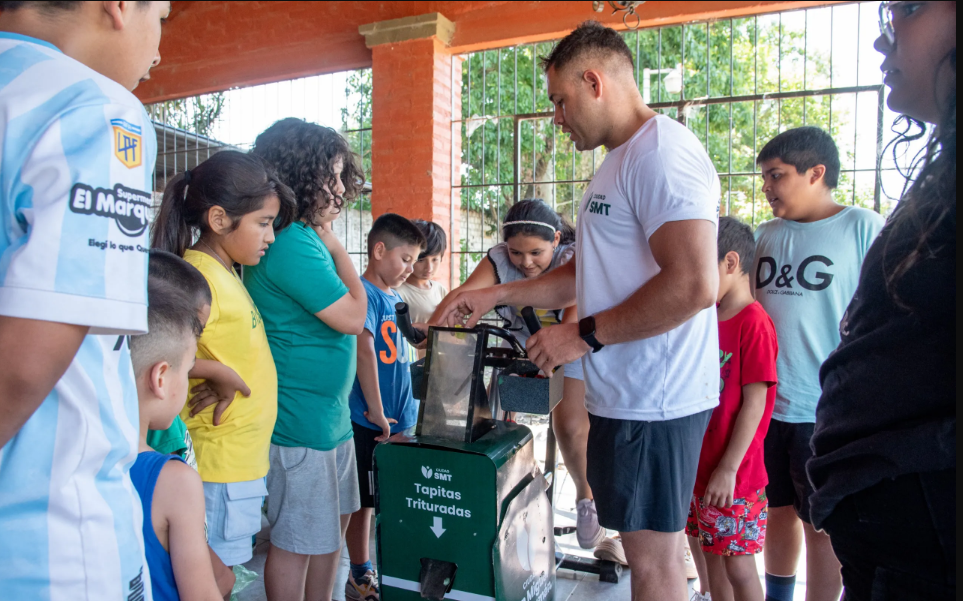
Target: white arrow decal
(437, 529)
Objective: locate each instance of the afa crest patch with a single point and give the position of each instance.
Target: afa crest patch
(128, 144)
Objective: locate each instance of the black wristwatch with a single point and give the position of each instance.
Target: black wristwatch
(586, 331)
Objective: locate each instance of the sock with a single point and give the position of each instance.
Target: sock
(357, 571)
(779, 588)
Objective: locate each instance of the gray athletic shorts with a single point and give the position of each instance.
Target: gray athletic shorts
(308, 492)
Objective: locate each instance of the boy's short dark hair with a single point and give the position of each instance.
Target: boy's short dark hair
(52, 6)
(436, 242)
(735, 236)
(589, 38)
(174, 289)
(48, 7)
(393, 230)
(804, 148)
(169, 267)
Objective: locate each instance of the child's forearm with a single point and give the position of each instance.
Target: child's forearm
(368, 373)
(351, 279)
(208, 369)
(747, 423)
(34, 355)
(570, 315)
(343, 264)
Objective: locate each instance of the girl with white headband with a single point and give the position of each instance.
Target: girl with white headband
(537, 240)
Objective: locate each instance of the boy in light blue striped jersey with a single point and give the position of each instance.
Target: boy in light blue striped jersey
(76, 162)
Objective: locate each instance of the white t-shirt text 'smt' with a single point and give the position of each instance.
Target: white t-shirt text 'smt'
(660, 174)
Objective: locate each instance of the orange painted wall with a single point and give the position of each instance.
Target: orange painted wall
(211, 46)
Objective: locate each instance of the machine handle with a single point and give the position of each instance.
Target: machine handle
(531, 320)
(414, 336)
(506, 336)
(404, 324)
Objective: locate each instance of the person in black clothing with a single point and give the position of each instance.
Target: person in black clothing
(884, 464)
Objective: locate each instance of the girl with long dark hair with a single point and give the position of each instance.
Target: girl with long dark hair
(536, 239)
(224, 212)
(884, 464)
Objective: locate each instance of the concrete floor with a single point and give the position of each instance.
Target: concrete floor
(570, 586)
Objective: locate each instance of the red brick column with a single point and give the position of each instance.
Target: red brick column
(411, 133)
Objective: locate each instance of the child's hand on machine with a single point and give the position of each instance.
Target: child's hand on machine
(382, 422)
(218, 391)
(469, 304)
(720, 491)
(556, 345)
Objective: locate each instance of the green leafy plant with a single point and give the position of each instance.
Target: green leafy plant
(197, 114)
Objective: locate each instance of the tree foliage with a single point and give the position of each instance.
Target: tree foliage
(753, 56)
(741, 57)
(197, 114)
(356, 124)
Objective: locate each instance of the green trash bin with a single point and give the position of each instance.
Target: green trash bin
(461, 509)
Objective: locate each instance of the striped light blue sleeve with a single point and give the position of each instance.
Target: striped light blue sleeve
(76, 210)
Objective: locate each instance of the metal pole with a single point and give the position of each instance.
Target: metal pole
(517, 162)
(659, 87)
(467, 142)
(498, 148)
(708, 86)
(454, 170)
(832, 15)
(484, 106)
(859, 10)
(638, 58)
(805, 62)
(551, 459)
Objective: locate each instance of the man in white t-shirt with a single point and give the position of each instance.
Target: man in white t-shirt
(78, 154)
(645, 277)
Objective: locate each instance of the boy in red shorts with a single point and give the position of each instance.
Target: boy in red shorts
(728, 510)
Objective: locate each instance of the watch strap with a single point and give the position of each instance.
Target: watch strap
(586, 331)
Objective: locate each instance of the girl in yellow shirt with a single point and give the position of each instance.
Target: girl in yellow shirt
(221, 213)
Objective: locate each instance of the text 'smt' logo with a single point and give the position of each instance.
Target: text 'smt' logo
(426, 471)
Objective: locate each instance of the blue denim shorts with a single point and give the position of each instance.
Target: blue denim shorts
(233, 517)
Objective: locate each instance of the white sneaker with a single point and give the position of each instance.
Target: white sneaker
(610, 549)
(697, 596)
(587, 529)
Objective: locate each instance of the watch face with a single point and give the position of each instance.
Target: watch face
(586, 327)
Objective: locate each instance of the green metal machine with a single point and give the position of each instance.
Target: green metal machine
(461, 509)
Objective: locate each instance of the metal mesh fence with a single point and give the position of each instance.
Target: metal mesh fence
(735, 83)
(190, 130)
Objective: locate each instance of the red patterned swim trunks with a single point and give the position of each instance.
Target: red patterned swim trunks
(736, 530)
